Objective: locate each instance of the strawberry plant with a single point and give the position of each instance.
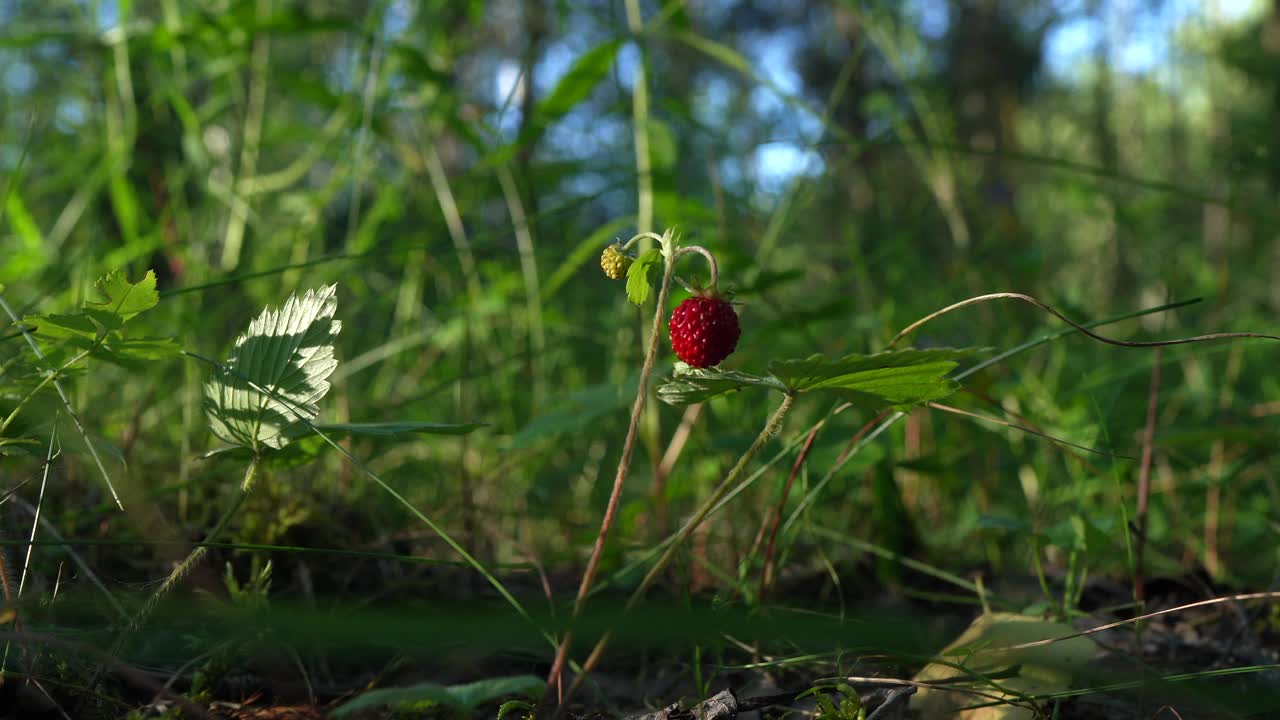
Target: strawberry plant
(705, 330)
(63, 344)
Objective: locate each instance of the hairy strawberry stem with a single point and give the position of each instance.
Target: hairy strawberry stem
(628, 447)
(711, 261)
(770, 429)
(713, 266)
(670, 254)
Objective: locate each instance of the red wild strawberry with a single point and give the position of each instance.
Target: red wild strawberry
(704, 331)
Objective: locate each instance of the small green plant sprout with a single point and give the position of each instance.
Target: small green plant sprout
(63, 343)
(460, 700)
(277, 372)
(252, 594)
(846, 705)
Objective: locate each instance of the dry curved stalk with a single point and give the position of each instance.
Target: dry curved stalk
(1270, 595)
(1100, 338)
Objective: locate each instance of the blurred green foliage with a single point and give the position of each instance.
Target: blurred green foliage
(457, 166)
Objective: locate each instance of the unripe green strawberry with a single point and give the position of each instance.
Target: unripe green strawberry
(614, 263)
(704, 331)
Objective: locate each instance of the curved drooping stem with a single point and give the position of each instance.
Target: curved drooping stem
(711, 262)
(650, 235)
(713, 266)
(770, 429)
(1082, 328)
(624, 463)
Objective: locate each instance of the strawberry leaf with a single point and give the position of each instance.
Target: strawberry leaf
(125, 299)
(690, 385)
(277, 371)
(62, 326)
(134, 352)
(638, 283)
(898, 377)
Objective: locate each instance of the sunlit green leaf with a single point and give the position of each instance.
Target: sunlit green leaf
(126, 299)
(99, 322)
(277, 372)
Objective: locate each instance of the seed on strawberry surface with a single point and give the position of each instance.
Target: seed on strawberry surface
(704, 331)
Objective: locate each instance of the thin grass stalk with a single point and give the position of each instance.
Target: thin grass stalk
(55, 449)
(1144, 484)
(69, 548)
(644, 206)
(775, 515)
(1217, 474)
(255, 113)
(766, 573)
(368, 96)
(771, 428)
(1082, 328)
(66, 404)
(1029, 345)
(48, 378)
(198, 553)
(668, 463)
(640, 127)
(529, 269)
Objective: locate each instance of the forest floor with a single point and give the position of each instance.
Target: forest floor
(867, 653)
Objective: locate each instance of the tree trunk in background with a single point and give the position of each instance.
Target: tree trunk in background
(992, 57)
(1271, 45)
(1122, 276)
(536, 31)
